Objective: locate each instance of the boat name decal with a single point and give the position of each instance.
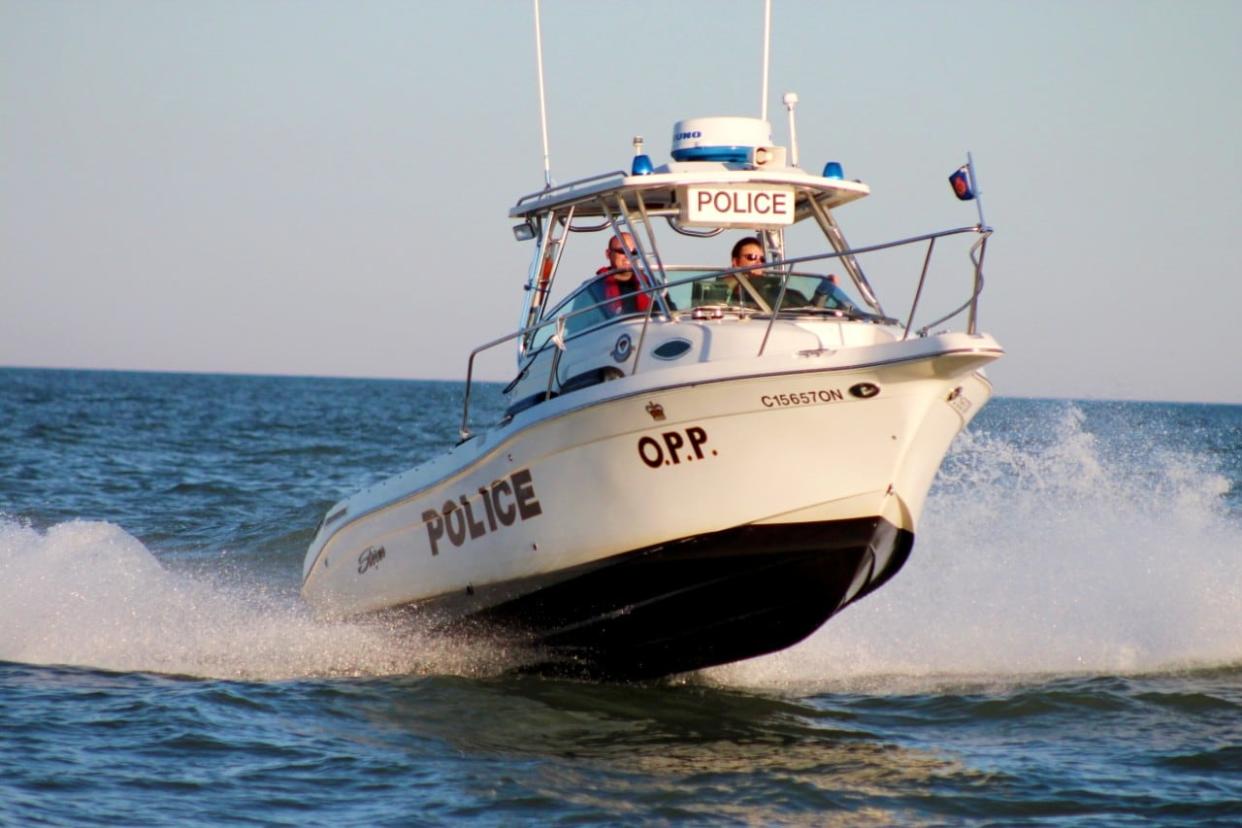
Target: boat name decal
(370, 557)
(665, 451)
(823, 395)
(504, 502)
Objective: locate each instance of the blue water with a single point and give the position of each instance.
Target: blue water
(1064, 647)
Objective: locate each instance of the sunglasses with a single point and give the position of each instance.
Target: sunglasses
(616, 251)
(751, 257)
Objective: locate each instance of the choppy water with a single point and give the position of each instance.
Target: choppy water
(1064, 647)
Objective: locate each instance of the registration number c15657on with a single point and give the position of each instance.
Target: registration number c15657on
(819, 397)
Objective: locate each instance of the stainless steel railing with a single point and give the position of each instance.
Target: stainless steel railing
(783, 268)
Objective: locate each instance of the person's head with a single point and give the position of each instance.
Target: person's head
(615, 253)
(748, 252)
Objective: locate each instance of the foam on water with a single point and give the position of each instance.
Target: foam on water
(1052, 552)
(86, 593)
(1044, 548)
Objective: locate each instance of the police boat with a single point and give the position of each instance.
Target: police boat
(704, 466)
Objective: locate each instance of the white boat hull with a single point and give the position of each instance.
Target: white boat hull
(666, 521)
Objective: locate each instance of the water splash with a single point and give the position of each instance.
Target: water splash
(1057, 543)
(1045, 548)
(86, 593)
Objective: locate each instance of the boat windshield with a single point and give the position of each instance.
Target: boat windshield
(589, 306)
(803, 290)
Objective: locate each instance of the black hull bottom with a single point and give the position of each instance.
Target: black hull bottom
(687, 604)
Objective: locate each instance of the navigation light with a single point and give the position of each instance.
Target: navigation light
(641, 164)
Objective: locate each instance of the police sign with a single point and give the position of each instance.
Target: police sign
(736, 205)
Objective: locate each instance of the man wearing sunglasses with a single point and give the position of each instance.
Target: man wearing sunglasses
(619, 285)
(747, 252)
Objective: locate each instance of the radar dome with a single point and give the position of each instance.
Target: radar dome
(725, 139)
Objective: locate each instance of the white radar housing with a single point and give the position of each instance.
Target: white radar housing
(725, 139)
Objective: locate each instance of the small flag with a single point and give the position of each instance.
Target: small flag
(960, 182)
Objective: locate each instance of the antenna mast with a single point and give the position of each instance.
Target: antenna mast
(767, 40)
(543, 106)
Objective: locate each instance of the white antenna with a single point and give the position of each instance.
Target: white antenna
(767, 40)
(543, 106)
(791, 100)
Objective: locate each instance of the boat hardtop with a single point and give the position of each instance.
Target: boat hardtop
(659, 188)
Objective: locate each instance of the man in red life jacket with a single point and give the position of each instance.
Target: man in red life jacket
(619, 283)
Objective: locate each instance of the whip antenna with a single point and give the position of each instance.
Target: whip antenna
(767, 40)
(791, 101)
(543, 106)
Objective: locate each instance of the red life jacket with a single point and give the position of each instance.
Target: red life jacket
(610, 289)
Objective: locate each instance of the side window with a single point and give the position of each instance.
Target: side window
(541, 338)
(588, 319)
(582, 298)
(546, 330)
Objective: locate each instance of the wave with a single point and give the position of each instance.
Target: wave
(88, 594)
(1046, 548)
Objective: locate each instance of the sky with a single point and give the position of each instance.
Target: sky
(322, 188)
